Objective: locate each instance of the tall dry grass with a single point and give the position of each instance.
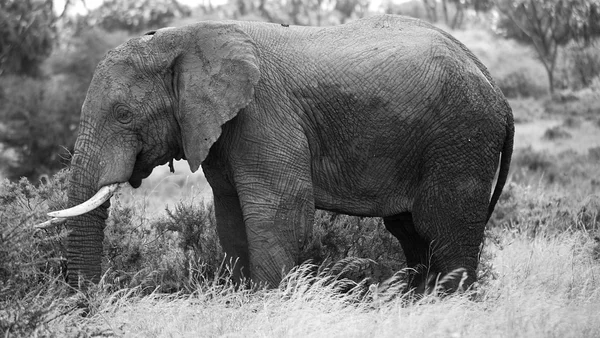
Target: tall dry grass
(548, 285)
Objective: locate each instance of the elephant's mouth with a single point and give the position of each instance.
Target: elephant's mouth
(136, 178)
(141, 170)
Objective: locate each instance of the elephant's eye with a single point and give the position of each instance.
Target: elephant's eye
(122, 114)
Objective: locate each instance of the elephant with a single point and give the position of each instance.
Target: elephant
(386, 116)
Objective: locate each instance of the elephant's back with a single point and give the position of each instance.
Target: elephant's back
(399, 33)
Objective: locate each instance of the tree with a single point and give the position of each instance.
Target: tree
(549, 25)
(454, 11)
(135, 15)
(301, 12)
(27, 34)
(39, 116)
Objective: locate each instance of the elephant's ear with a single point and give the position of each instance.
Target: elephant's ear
(214, 79)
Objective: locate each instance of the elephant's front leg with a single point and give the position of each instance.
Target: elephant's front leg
(278, 208)
(230, 223)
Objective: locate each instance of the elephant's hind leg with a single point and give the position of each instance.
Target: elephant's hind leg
(451, 216)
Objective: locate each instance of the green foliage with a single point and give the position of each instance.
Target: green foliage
(572, 122)
(451, 13)
(550, 193)
(336, 237)
(27, 35)
(556, 133)
(175, 251)
(583, 103)
(134, 16)
(526, 109)
(167, 254)
(534, 210)
(520, 84)
(578, 65)
(196, 227)
(513, 65)
(27, 255)
(549, 24)
(40, 116)
(31, 260)
(573, 173)
(300, 12)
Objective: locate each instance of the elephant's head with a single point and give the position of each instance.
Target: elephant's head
(161, 96)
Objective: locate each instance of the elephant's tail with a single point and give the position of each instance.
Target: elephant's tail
(506, 155)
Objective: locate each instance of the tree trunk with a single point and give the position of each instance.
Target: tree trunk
(445, 9)
(431, 10)
(550, 72)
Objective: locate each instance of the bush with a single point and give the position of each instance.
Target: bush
(526, 109)
(168, 254)
(578, 65)
(556, 133)
(336, 237)
(585, 103)
(534, 210)
(520, 84)
(550, 193)
(594, 154)
(29, 256)
(571, 172)
(572, 122)
(514, 66)
(40, 116)
(32, 260)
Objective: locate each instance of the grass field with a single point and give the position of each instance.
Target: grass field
(545, 286)
(539, 273)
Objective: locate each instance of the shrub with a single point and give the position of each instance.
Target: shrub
(526, 109)
(571, 172)
(520, 84)
(29, 256)
(594, 154)
(336, 237)
(197, 239)
(531, 160)
(585, 103)
(572, 122)
(535, 209)
(514, 66)
(556, 133)
(578, 65)
(31, 260)
(40, 116)
(168, 254)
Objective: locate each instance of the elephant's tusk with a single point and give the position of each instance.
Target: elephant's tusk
(51, 223)
(95, 201)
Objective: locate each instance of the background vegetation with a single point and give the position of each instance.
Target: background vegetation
(540, 266)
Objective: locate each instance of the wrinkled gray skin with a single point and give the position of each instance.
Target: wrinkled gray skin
(386, 116)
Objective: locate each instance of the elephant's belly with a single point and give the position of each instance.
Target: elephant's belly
(366, 191)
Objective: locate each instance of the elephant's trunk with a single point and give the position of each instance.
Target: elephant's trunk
(86, 232)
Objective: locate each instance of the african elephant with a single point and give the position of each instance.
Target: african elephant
(386, 116)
